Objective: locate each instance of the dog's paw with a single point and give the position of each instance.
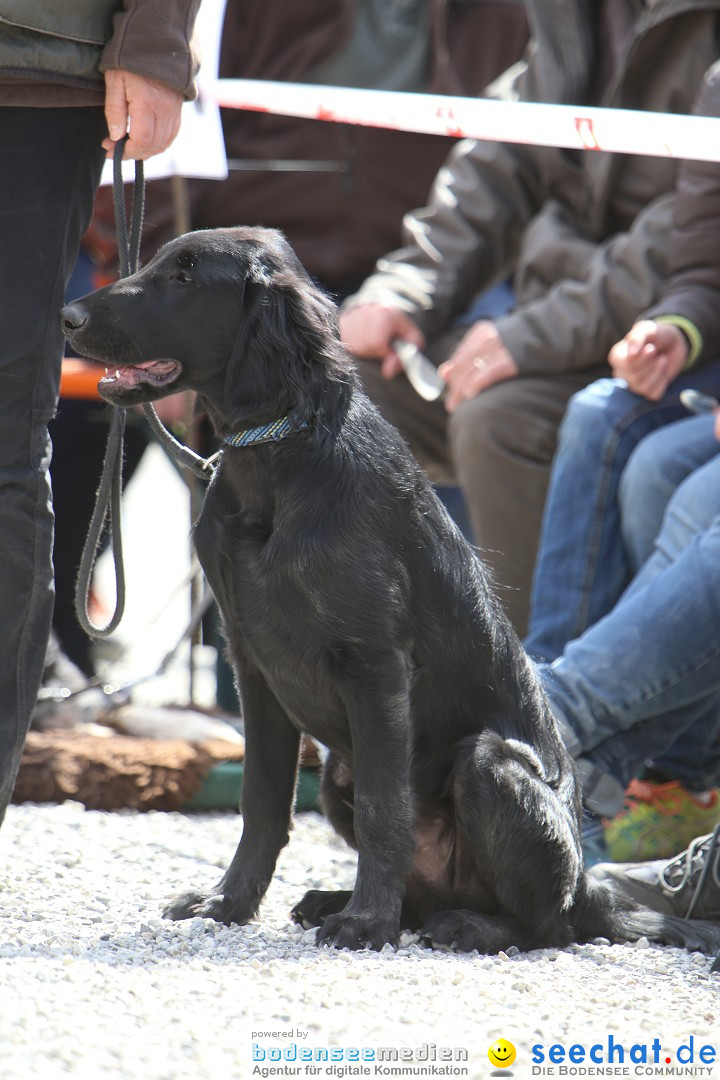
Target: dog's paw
(357, 932)
(191, 905)
(316, 906)
(453, 931)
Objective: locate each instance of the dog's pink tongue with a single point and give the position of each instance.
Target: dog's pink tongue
(158, 367)
(131, 376)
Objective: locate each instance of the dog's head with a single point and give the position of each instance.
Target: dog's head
(229, 313)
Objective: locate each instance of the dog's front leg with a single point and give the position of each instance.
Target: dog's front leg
(378, 707)
(272, 747)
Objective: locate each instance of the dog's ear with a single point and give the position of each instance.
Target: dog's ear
(287, 353)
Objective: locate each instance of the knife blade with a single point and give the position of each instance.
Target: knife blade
(421, 372)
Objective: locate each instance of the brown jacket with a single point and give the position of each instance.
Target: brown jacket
(340, 216)
(585, 235)
(692, 289)
(55, 54)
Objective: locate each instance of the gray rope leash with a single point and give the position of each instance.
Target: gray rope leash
(202, 467)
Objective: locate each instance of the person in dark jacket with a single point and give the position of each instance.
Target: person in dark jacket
(340, 216)
(73, 78)
(584, 236)
(337, 191)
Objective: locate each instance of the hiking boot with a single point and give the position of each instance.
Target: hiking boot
(687, 886)
(658, 820)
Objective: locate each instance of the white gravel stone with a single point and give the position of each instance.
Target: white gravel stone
(93, 983)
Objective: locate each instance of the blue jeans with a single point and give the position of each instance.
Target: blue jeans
(644, 681)
(583, 565)
(656, 469)
(49, 171)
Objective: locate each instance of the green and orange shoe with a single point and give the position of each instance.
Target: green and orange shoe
(659, 820)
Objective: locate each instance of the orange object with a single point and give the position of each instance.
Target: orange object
(79, 379)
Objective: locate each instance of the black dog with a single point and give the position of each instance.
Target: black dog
(354, 611)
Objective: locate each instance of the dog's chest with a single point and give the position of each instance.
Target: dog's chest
(271, 625)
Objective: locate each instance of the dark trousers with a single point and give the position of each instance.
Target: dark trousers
(50, 166)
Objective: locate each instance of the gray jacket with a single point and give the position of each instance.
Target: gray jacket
(585, 235)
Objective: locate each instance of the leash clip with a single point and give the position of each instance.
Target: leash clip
(209, 464)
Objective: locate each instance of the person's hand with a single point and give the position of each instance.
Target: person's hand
(649, 357)
(149, 110)
(478, 362)
(368, 331)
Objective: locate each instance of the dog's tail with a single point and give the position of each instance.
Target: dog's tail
(600, 911)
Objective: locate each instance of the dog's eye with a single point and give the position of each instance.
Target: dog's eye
(182, 277)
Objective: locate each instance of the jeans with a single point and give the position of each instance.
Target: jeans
(49, 171)
(644, 681)
(656, 469)
(583, 565)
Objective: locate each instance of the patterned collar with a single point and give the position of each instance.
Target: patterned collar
(271, 432)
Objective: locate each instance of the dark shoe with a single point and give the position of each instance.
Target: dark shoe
(687, 886)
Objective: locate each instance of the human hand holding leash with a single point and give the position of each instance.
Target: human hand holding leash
(479, 361)
(148, 110)
(649, 357)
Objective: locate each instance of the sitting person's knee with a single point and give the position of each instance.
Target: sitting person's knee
(594, 413)
(505, 423)
(471, 426)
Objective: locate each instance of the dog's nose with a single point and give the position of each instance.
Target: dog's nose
(73, 317)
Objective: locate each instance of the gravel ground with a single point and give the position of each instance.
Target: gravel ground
(93, 982)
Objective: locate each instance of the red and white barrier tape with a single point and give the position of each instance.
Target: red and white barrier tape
(618, 130)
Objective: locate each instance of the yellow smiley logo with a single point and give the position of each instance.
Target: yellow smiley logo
(501, 1053)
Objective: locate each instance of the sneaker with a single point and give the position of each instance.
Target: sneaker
(687, 886)
(658, 819)
(592, 839)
